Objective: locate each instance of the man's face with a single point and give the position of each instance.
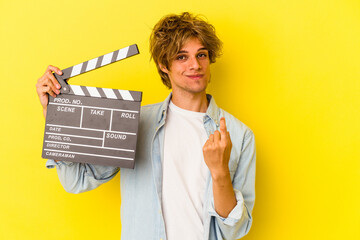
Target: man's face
(190, 70)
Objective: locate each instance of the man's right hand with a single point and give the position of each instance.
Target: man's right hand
(47, 84)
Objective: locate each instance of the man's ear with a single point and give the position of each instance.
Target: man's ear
(163, 68)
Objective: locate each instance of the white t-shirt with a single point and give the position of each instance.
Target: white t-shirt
(184, 174)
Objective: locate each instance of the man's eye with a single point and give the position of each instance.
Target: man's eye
(202, 55)
(181, 57)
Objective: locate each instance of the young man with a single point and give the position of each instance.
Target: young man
(190, 181)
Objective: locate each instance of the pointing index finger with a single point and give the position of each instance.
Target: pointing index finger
(223, 129)
(223, 125)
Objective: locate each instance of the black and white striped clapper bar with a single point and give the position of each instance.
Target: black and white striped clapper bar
(91, 124)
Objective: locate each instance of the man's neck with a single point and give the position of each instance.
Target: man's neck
(193, 102)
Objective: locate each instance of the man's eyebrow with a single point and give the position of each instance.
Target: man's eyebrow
(200, 49)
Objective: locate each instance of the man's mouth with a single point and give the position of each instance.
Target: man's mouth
(195, 76)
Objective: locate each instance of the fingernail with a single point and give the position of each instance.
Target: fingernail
(57, 85)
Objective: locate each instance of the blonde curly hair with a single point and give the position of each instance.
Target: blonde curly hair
(170, 34)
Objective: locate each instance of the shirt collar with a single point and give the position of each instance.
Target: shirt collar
(163, 109)
(213, 110)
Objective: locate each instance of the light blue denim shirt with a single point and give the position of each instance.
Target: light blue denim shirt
(141, 214)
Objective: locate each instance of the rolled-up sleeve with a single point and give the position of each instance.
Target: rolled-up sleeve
(81, 177)
(235, 214)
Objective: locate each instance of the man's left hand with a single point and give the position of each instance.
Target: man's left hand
(217, 151)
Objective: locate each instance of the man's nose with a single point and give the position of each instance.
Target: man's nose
(194, 63)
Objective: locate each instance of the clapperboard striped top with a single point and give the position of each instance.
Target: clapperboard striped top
(93, 64)
(100, 61)
(105, 93)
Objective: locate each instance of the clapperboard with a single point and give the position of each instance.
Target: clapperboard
(91, 124)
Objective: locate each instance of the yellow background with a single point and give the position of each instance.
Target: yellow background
(290, 71)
